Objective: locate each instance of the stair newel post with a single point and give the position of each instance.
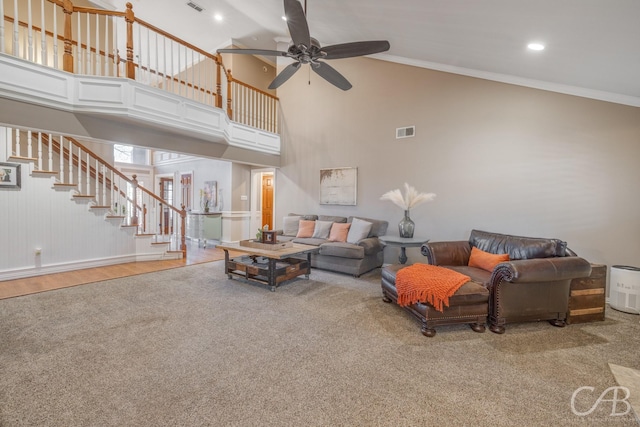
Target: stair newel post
(183, 226)
(144, 217)
(134, 197)
(67, 57)
(229, 81)
(130, 19)
(218, 81)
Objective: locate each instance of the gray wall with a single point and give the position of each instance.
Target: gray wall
(499, 157)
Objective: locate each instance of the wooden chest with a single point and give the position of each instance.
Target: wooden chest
(587, 297)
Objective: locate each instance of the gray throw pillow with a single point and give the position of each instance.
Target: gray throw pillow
(322, 229)
(359, 230)
(290, 225)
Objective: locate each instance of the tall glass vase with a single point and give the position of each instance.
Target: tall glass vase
(406, 226)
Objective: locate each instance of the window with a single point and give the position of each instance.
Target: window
(130, 154)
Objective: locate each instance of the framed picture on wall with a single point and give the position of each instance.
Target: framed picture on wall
(9, 175)
(339, 186)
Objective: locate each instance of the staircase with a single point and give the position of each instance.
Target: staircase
(136, 225)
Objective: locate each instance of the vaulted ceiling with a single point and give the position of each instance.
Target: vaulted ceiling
(592, 47)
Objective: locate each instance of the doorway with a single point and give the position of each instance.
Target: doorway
(263, 196)
(166, 194)
(267, 200)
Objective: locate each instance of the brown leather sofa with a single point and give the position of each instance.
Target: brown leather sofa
(532, 286)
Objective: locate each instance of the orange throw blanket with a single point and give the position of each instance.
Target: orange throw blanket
(428, 283)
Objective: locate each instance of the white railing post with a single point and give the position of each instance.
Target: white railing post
(89, 66)
(70, 162)
(80, 189)
(43, 36)
(29, 145)
(18, 145)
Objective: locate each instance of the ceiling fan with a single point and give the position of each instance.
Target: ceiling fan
(304, 49)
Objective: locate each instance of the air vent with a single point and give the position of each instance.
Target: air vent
(407, 132)
(195, 6)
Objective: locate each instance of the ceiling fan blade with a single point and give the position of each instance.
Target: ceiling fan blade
(264, 52)
(349, 50)
(284, 75)
(330, 74)
(297, 23)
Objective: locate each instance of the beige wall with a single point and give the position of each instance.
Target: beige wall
(499, 157)
(250, 70)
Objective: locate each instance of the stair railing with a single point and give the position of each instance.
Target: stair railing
(77, 167)
(89, 41)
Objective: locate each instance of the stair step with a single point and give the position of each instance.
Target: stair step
(22, 159)
(47, 174)
(63, 186)
(128, 226)
(114, 217)
(160, 243)
(144, 235)
(84, 196)
(99, 207)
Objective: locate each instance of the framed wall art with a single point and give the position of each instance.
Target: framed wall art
(339, 186)
(9, 175)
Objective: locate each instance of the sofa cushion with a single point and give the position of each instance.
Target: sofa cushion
(332, 218)
(339, 232)
(516, 246)
(322, 229)
(305, 228)
(378, 227)
(477, 274)
(309, 241)
(485, 260)
(343, 250)
(290, 225)
(308, 217)
(359, 230)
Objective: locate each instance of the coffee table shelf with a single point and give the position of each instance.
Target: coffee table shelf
(279, 265)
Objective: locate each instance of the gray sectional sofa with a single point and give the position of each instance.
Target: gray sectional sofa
(364, 253)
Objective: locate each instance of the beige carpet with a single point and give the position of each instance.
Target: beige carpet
(188, 347)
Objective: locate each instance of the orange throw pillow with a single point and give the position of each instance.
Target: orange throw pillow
(485, 260)
(305, 228)
(339, 231)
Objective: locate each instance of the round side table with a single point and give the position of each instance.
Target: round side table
(403, 243)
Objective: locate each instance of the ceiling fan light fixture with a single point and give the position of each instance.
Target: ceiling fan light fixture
(535, 46)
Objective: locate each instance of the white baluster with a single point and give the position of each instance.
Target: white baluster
(29, 147)
(18, 146)
(116, 59)
(16, 34)
(98, 60)
(61, 158)
(50, 153)
(89, 68)
(55, 35)
(2, 27)
(107, 20)
(43, 36)
(70, 162)
(80, 184)
(29, 32)
(157, 79)
(88, 162)
(79, 48)
(149, 76)
(104, 186)
(179, 68)
(40, 151)
(171, 64)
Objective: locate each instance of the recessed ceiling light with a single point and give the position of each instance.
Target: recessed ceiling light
(284, 18)
(218, 17)
(535, 46)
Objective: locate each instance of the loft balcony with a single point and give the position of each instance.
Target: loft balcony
(64, 71)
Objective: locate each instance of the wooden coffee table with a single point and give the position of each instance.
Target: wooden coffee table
(270, 267)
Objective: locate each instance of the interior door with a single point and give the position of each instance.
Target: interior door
(166, 193)
(185, 184)
(267, 201)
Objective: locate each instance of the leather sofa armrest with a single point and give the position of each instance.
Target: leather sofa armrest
(541, 270)
(447, 253)
(371, 245)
